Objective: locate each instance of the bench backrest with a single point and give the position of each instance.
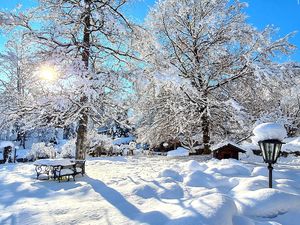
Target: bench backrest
(80, 164)
(67, 167)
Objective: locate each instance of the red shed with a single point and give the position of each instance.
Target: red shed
(227, 150)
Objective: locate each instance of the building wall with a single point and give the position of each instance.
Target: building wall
(226, 153)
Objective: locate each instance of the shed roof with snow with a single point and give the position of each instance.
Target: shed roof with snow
(226, 150)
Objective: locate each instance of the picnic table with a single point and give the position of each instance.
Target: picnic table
(58, 168)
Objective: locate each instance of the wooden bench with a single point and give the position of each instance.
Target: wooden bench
(57, 169)
(44, 171)
(64, 171)
(79, 166)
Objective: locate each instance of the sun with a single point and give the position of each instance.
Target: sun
(48, 73)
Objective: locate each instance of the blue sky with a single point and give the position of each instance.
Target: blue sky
(284, 14)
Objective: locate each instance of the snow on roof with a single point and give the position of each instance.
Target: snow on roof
(178, 152)
(4, 144)
(225, 143)
(268, 131)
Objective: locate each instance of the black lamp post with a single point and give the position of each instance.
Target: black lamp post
(270, 152)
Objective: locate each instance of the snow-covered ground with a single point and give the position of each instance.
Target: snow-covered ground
(153, 190)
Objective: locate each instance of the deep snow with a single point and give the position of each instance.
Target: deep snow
(153, 190)
(180, 151)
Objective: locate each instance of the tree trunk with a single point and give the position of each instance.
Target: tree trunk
(205, 132)
(205, 126)
(21, 137)
(83, 121)
(81, 137)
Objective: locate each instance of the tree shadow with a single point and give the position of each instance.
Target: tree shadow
(11, 219)
(19, 217)
(55, 186)
(12, 192)
(195, 217)
(125, 207)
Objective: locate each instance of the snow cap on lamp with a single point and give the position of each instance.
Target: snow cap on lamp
(269, 131)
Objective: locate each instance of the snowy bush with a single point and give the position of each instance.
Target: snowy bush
(116, 150)
(98, 144)
(132, 148)
(40, 151)
(68, 149)
(124, 149)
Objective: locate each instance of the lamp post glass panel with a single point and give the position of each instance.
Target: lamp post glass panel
(270, 152)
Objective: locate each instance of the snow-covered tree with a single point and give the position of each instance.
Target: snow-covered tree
(157, 117)
(211, 46)
(86, 41)
(278, 98)
(16, 83)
